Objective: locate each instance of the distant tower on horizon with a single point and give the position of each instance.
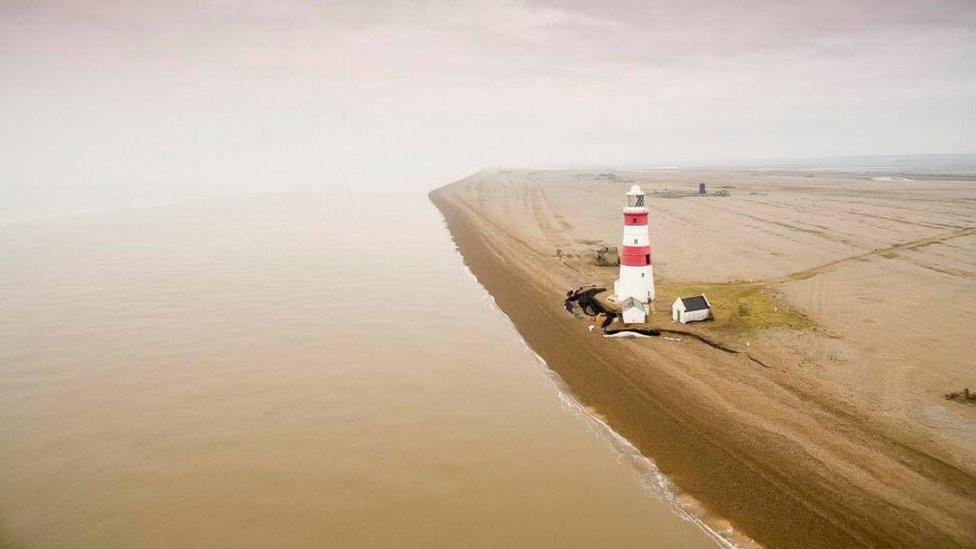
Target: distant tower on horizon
(636, 272)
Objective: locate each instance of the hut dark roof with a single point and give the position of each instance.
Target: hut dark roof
(696, 303)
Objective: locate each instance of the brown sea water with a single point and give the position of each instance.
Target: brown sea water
(288, 370)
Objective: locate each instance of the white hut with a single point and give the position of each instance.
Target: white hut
(691, 309)
(633, 311)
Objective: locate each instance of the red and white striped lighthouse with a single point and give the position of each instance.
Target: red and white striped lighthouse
(636, 272)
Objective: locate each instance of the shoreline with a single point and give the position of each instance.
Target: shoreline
(723, 533)
(774, 478)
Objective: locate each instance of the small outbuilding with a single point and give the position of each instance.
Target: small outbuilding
(633, 311)
(691, 309)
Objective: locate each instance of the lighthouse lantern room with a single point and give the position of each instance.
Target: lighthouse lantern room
(636, 272)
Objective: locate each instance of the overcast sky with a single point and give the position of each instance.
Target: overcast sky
(118, 92)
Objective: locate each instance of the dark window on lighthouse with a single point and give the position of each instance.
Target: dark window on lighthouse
(635, 241)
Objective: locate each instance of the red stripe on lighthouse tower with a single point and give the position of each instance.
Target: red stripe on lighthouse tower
(635, 256)
(635, 250)
(635, 218)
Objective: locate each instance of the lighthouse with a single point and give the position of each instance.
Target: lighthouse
(636, 279)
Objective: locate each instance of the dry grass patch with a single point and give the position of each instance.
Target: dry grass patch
(738, 307)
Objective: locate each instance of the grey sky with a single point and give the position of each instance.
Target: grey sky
(233, 90)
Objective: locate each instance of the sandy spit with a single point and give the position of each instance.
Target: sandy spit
(791, 460)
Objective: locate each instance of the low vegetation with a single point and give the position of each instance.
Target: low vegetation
(737, 307)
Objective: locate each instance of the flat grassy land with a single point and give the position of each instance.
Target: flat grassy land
(738, 308)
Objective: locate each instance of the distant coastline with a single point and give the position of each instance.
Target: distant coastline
(932, 166)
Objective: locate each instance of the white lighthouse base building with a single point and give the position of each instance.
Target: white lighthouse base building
(633, 311)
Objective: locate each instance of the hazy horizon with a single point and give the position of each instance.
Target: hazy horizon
(271, 95)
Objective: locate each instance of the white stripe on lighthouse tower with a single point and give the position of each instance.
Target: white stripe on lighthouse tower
(636, 271)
